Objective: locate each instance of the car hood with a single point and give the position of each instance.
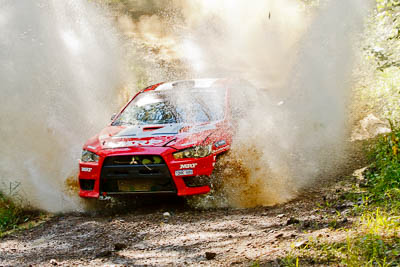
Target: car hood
(175, 135)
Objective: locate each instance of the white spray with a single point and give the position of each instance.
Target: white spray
(60, 72)
(296, 132)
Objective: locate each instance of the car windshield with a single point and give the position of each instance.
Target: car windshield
(172, 106)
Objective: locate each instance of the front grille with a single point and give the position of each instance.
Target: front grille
(86, 184)
(133, 160)
(135, 174)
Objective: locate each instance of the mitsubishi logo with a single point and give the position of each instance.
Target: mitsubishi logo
(133, 161)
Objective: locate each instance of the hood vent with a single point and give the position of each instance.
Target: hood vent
(148, 129)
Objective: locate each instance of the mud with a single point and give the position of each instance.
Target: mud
(72, 185)
(141, 233)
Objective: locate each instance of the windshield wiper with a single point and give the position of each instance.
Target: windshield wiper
(119, 123)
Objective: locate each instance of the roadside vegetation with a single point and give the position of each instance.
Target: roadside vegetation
(373, 239)
(11, 215)
(14, 216)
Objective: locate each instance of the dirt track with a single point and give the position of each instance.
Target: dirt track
(145, 237)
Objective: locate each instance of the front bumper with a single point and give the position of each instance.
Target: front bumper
(168, 177)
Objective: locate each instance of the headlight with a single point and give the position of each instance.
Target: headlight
(88, 156)
(194, 152)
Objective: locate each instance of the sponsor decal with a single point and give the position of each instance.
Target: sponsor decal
(221, 149)
(145, 142)
(183, 172)
(220, 143)
(150, 142)
(86, 169)
(188, 165)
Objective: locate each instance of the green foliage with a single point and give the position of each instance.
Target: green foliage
(379, 90)
(290, 261)
(375, 243)
(380, 244)
(386, 26)
(315, 252)
(384, 174)
(372, 250)
(255, 264)
(10, 214)
(387, 5)
(383, 93)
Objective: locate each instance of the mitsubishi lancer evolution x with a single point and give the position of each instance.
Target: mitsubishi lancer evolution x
(164, 141)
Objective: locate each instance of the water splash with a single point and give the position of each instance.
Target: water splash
(61, 71)
(295, 132)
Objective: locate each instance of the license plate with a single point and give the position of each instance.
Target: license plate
(183, 172)
(134, 186)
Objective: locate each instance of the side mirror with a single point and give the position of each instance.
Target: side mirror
(113, 116)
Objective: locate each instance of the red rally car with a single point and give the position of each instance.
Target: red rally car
(165, 140)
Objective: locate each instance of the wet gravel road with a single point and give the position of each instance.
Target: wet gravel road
(147, 235)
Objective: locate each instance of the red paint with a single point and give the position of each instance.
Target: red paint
(163, 146)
